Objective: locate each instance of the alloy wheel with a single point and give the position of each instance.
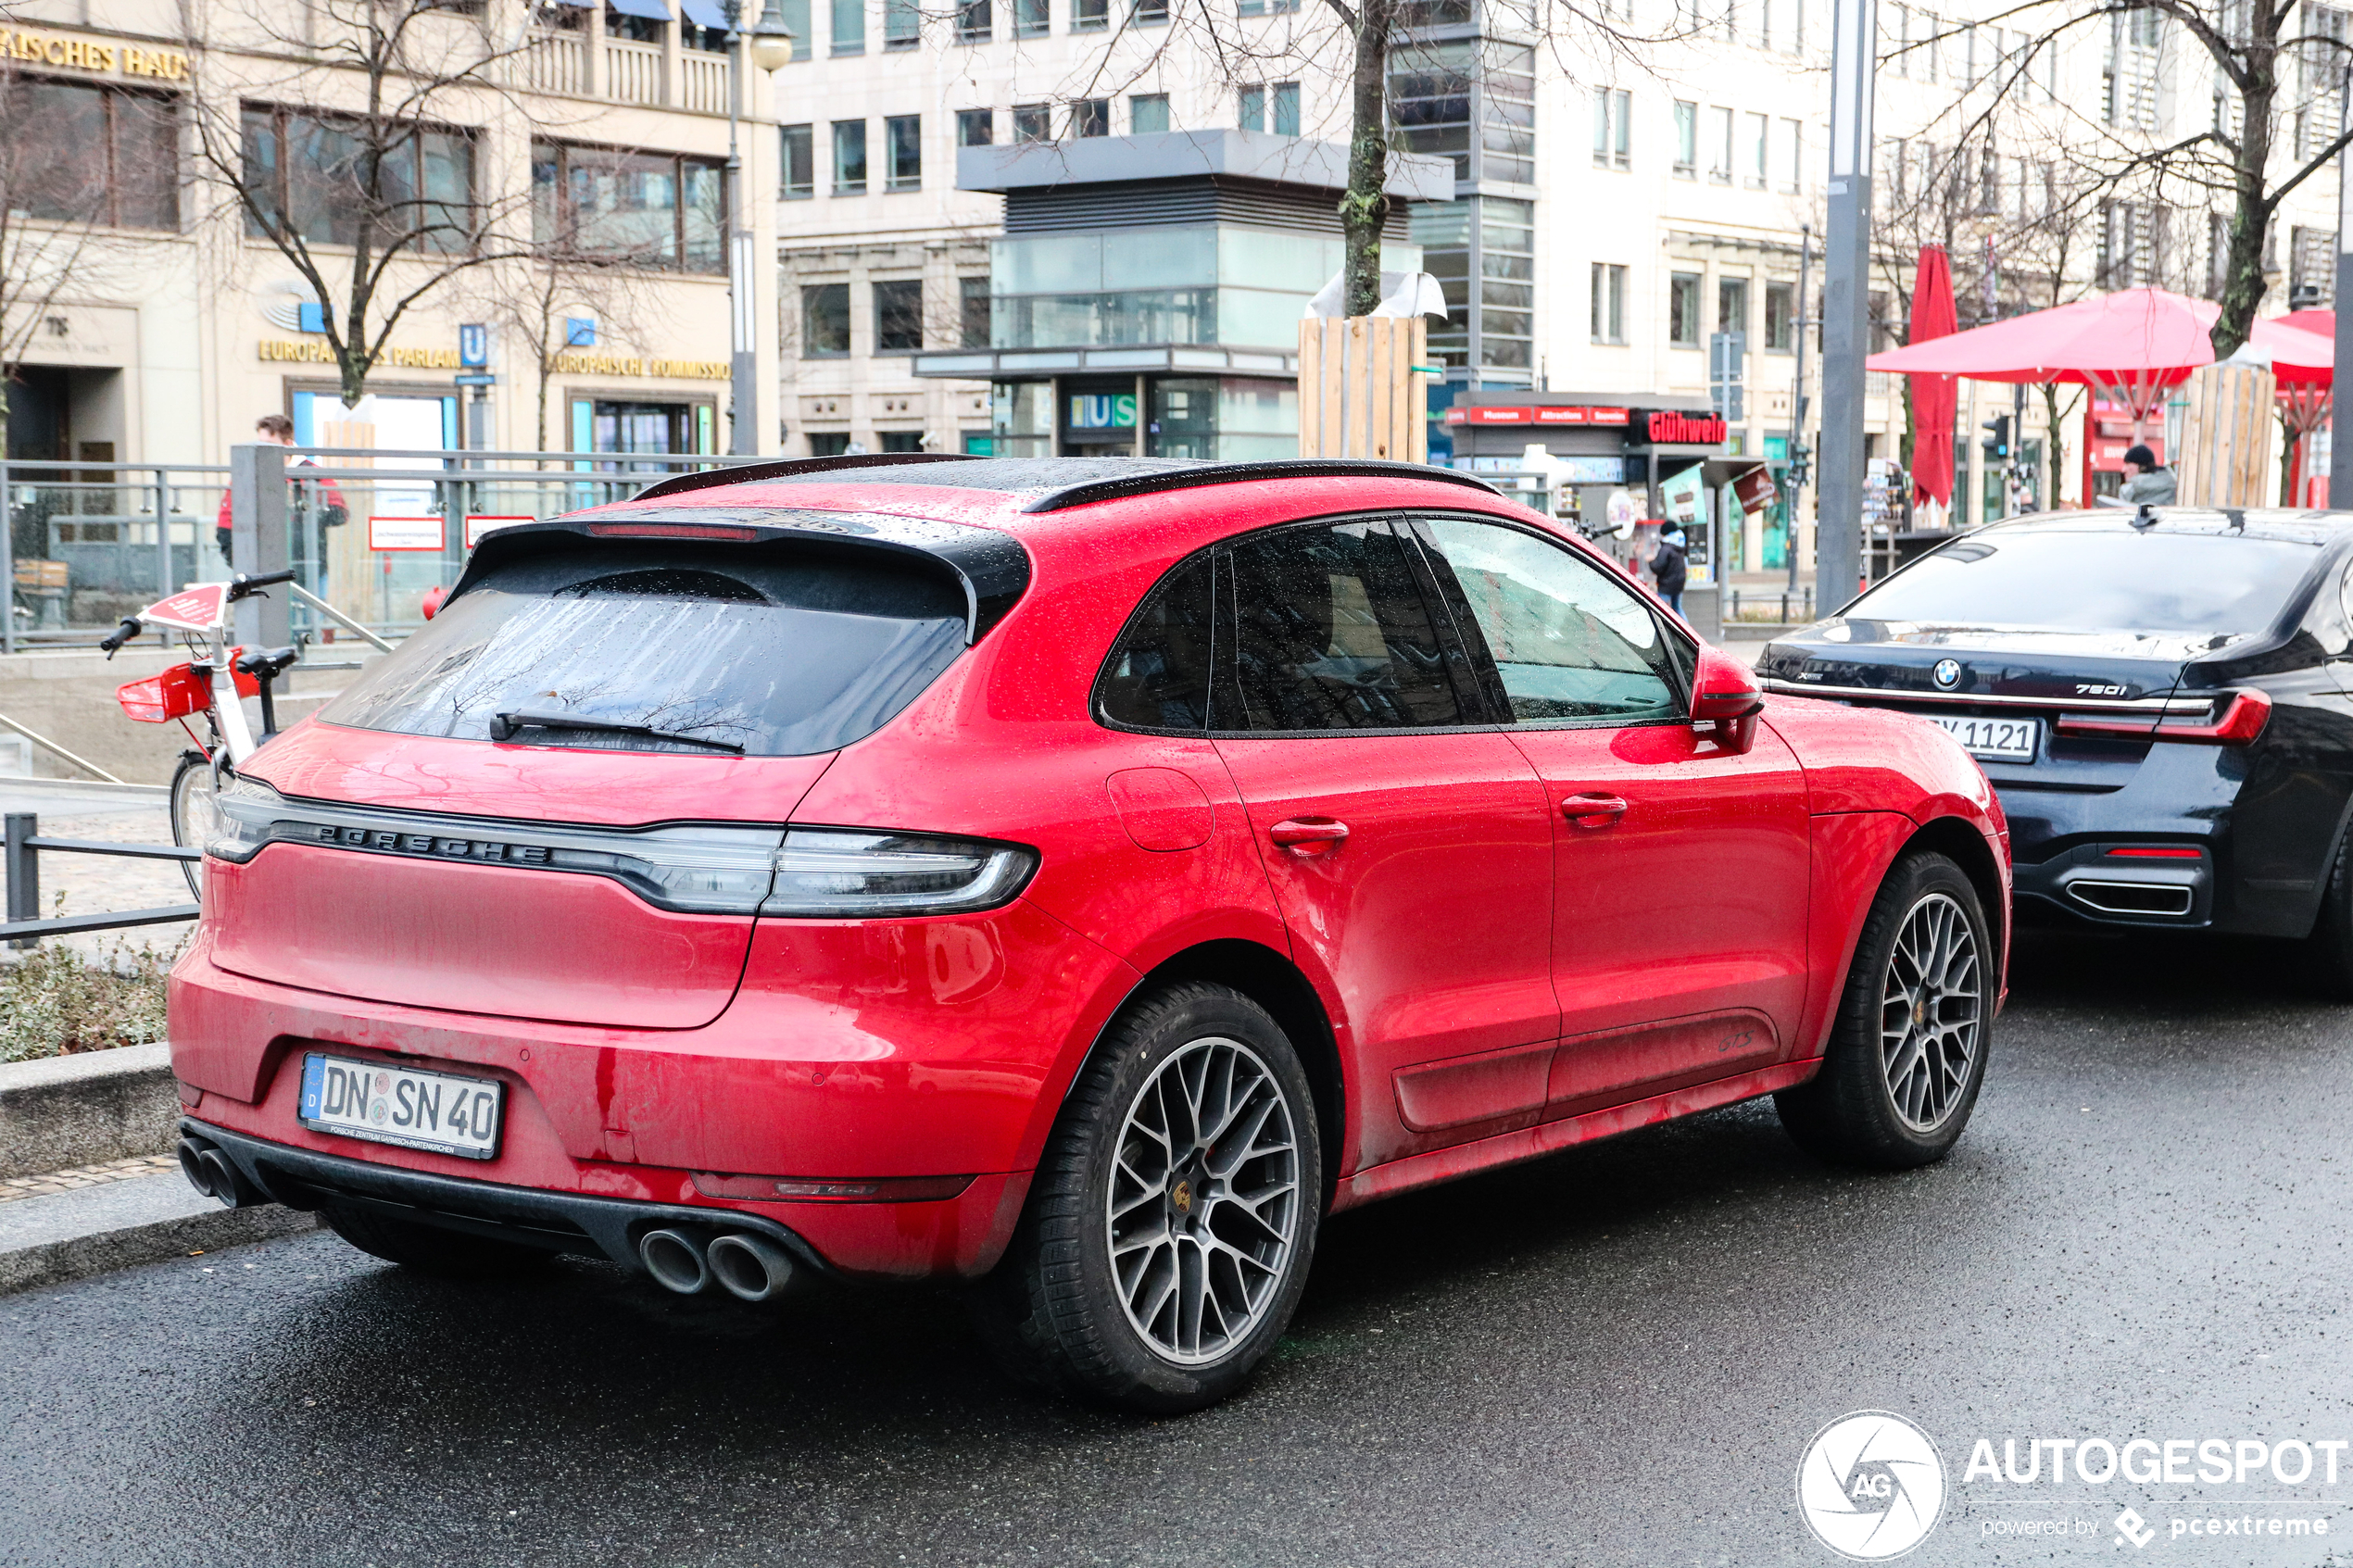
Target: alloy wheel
(1202, 1215)
(1931, 1009)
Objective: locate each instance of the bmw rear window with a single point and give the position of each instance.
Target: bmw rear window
(766, 650)
(2103, 580)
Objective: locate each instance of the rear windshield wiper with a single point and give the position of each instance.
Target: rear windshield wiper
(504, 725)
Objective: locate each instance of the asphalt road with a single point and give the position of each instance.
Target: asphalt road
(1613, 1356)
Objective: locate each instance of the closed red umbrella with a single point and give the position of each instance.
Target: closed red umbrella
(1936, 398)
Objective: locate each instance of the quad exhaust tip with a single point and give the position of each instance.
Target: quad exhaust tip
(677, 1258)
(750, 1268)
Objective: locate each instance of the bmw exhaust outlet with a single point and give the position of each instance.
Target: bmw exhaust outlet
(750, 1268)
(677, 1260)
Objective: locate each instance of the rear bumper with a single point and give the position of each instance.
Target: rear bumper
(944, 1051)
(559, 1221)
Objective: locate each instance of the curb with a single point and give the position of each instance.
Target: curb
(62, 1112)
(68, 1235)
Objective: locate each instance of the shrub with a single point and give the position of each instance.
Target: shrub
(54, 1001)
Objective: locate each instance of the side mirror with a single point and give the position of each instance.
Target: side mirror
(1725, 702)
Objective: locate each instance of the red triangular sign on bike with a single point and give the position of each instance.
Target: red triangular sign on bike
(198, 609)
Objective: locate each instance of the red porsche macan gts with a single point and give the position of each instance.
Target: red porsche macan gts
(1079, 877)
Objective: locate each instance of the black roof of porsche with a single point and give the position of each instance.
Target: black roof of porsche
(1052, 484)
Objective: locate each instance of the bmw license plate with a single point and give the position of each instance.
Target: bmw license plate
(384, 1104)
(2002, 740)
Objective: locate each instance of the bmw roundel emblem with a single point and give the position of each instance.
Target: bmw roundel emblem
(1948, 672)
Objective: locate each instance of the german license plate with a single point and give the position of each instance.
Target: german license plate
(400, 1105)
(2004, 740)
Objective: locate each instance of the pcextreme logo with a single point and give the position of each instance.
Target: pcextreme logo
(1870, 1486)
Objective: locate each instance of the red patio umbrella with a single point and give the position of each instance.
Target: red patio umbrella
(2300, 347)
(2131, 346)
(1934, 397)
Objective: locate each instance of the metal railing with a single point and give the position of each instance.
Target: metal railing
(1748, 604)
(20, 848)
(87, 544)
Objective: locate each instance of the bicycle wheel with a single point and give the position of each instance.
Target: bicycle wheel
(195, 818)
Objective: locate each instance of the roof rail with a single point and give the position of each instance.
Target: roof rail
(1241, 473)
(678, 484)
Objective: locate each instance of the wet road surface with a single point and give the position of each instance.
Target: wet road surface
(1613, 1356)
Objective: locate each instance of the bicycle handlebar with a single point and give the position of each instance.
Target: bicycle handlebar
(122, 634)
(244, 586)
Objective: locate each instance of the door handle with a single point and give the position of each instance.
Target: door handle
(1308, 835)
(1594, 811)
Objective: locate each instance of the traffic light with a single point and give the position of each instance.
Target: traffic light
(1999, 428)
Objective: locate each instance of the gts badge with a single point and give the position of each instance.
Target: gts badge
(2097, 689)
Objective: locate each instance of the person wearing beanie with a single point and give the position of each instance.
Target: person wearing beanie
(2147, 482)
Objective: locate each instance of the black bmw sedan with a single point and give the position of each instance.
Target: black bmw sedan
(2163, 700)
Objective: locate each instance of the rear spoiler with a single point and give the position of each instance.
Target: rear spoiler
(991, 567)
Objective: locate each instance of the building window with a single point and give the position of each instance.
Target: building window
(1683, 310)
(796, 14)
(1781, 317)
(824, 320)
(1613, 131)
(1090, 16)
(1720, 146)
(1032, 18)
(898, 316)
(829, 443)
(304, 173)
(1793, 154)
(1151, 13)
(1759, 151)
(1090, 117)
(1286, 109)
(1609, 303)
(1146, 114)
(902, 24)
(850, 157)
(900, 440)
(1252, 114)
(971, 301)
(648, 208)
(1433, 87)
(975, 21)
(850, 27)
(629, 27)
(903, 138)
(2218, 253)
(1687, 139)
(975, 128)
(800, 163)
(1275, 7)
(1507, 283)
(1032, 122)
(1731, 306)
(87, 154)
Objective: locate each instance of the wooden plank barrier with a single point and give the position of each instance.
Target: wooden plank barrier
(2226, 438)
(1359, 396)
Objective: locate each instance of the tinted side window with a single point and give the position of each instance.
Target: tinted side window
(1566, 640)
(1158, 677)
(1332, 632)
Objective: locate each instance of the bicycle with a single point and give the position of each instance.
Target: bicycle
(201, 614)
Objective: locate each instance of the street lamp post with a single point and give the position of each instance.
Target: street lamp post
(768, 46)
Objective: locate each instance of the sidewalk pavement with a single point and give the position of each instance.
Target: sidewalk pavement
(115, 1217)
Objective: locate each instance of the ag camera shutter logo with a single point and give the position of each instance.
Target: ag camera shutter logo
(1871, 1486)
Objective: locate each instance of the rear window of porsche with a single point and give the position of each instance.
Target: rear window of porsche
(766, 651)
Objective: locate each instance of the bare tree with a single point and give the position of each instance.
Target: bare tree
(532, 302)
(355, 162)
(59, 189)
(2273, 116)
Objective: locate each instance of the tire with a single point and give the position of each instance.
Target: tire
(193, 817)
(1137, 1333)
(429, 1249)
(2328, 952)
(1895, 1107)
